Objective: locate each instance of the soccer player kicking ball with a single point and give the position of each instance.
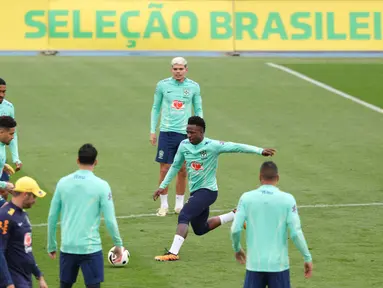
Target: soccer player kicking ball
(174, 98)
(269, 214)
(201, 156)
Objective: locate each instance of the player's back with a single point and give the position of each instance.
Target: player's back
(80, 194)
(267, 211)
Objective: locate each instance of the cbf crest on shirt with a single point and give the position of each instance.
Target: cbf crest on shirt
(177, 97)
(202, 161)
(174, 100)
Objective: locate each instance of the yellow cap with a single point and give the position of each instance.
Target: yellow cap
(28, 185)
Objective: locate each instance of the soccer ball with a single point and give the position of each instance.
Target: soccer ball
(118, 262)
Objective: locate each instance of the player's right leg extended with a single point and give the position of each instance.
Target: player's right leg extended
(197, 203)
(196, 212)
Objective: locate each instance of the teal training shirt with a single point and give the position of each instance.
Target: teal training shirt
(3, 155)
(7, 109)
(202, 161)
(81, 198)
(174, 100)
(269, 214)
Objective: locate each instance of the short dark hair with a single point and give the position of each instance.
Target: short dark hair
(7, 122)
(198, 121)
(2, 82)
(269, 170)
(87, 154)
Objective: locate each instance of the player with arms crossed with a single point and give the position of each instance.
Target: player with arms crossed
(81, 198)
(201, 156)
(269, 214)
(174, 98)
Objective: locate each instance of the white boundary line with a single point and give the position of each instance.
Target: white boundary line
(327, 87)
(225, 210)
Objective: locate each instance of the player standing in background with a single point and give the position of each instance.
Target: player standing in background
(7, 131)
(201, 156)
(7, 109)
(17, 263)
(81, 198)
(174, 98)
(269, 213)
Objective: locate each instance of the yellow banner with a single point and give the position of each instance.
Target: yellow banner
(309, 25)
(192, 25)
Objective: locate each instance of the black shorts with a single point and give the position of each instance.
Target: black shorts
(168, 143)
(92, 267)
(4, 177)
(267, 279)
(196, 210)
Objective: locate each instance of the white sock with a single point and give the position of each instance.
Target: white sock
(179, 201)
(228, 217)
(164, 201)
(177, 243)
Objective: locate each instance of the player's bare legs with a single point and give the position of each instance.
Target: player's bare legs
(213, 222)
(183, 229)
(164, 208)
(180, 189)
(164, 168)
(195, 213)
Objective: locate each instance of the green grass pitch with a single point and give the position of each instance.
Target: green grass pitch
(329, 152)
